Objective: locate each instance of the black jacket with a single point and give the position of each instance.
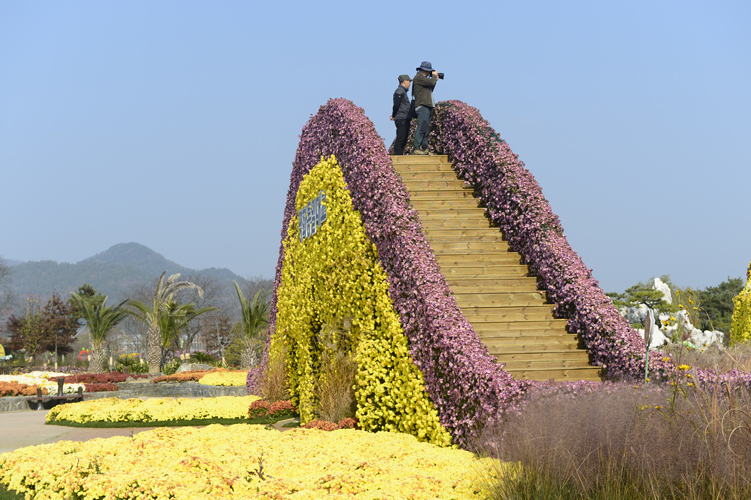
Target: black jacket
(401, 104)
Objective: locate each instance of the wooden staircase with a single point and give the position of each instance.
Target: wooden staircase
(493, 289)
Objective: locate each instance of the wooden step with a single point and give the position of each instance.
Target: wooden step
(498, 271)
(591, 373)
(533, 344)
(488, 281)
(415, 178)
(508, 314)
(522, 284)
(444, 203)
(499, 299)
(519, 328)
(455, 246)
(441, 194)
(431, 223)
(463, 234)
(475, 258)
(442, 185)
(553, 363)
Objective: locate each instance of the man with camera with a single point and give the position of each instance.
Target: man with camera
(424, 83)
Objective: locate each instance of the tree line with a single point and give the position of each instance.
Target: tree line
(158, 321)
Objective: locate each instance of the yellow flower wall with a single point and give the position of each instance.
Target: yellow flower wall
(333, 278)
(740, 329)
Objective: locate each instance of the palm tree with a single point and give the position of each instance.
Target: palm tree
(152, 316)
(100, 320)
(255, 316)
(176, 319)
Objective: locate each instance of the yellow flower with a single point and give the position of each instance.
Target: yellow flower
(684, 367)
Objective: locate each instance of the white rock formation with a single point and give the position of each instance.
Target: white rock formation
(662, 336)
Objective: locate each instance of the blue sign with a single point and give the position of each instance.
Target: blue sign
(312, 216)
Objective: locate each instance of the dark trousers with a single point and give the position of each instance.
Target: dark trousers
(423, 127)
(402, 134)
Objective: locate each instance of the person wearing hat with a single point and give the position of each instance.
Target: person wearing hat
(424, 83)
(400, 114)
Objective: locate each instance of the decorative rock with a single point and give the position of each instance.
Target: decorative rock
(664, 288)
(191, 367)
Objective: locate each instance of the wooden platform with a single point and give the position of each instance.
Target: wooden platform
(496, 293)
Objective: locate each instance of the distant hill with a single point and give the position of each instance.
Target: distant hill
(113, 272)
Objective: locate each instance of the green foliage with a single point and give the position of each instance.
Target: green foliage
(717, 304)
(175, 320)
(251, 328)
(158, 314)
(171, 367)
(51, 328)
(132, 362)
(203, 357)
(100, 319)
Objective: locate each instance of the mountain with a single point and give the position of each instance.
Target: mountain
(113, 272)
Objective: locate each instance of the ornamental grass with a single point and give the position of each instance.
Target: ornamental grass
(245, 461)
(617, 441)
(151, 410)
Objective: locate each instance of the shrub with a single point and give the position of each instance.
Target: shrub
(347, 423)
(273, 382)
(741, 327)
(259, 408)
(171, 367)
(132, 362)
(321, 424)
(18, 389)
(100, 387)
(280, 409)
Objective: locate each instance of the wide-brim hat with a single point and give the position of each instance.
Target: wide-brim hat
(426, 66)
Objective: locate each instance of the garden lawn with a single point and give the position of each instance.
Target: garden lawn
(192, 411)
(245, 461)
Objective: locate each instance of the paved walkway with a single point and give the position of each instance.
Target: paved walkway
(27, 428)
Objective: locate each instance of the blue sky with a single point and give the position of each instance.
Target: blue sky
(174, 124)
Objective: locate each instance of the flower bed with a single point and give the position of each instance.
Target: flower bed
(18, 389)
(245, 461)
(46, 380)
(151, 410)
(102, 378)
(219, 377)
(462, 380)
(224, 378)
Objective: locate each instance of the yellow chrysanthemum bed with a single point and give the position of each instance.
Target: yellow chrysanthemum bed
(225, 378)
(245, 461)
(152, 410)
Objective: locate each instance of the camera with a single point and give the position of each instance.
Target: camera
(440, 76)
